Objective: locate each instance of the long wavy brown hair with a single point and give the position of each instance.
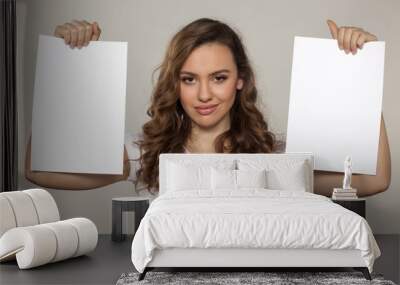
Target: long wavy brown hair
(169, 127)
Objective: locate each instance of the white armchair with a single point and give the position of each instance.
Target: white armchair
(31, 231)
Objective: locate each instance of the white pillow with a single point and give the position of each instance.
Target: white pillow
(236, 179)
(182, 177)
(282, 174)
(252, 178)
(294, 178)
(223, 179)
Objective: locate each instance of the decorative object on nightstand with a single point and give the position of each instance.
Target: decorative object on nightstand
(347, 192)
(355, 205)
(344, 194)
(138, 204)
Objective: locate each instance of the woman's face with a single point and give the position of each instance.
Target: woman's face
(208, 84)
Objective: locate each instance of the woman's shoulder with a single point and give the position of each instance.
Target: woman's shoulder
(280, 143)
(133, 136)
(131, 147)
(133, 156)
(133, 151)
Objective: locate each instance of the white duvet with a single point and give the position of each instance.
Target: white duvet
(250, 218)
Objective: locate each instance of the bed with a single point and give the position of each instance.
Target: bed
(247, 210)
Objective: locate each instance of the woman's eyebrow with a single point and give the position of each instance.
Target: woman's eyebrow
(215, 72)
(220, 71)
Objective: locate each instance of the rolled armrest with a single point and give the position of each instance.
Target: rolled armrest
(26, 208)
(45, 243)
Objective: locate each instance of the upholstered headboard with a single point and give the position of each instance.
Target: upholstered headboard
(237, 159)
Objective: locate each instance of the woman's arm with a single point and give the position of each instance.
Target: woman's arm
(366, 185)
(75, 34)
(350, 39)
(72, 181)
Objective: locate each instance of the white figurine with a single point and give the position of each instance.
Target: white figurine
(347, 173)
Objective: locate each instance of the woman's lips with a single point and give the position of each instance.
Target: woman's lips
(206, 111)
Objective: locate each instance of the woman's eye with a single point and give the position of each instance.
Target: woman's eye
(220, 78)
(188, 80)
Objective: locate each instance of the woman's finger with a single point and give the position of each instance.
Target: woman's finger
(370, 37)
(333, 28)
(361, 40)
(353, 43)
(96, 31)
(81, 32)
(74, 34)
(346, 39)
(364, 38)
(88, 32)
(341, 37)
(62, 31)
(67, 36)
(59, 31)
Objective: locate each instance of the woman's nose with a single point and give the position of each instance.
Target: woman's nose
(204, 91)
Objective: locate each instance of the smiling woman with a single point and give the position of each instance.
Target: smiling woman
(207, 92)
(205, 101)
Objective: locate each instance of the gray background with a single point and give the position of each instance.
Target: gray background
(267, 28)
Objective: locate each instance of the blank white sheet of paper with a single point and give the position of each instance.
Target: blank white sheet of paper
(78, 117)
(335, 103)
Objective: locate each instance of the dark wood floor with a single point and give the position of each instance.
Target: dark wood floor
(111, 259)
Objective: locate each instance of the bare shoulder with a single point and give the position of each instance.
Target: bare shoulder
(280, 143)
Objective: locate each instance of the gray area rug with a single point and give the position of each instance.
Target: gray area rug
(230, 278)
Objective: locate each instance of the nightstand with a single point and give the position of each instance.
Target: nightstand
(355, 205)
(137, 204)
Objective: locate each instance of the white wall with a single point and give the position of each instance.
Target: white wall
(267, 28)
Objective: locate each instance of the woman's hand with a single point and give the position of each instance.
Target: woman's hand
(350, 38)
(78, 33)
